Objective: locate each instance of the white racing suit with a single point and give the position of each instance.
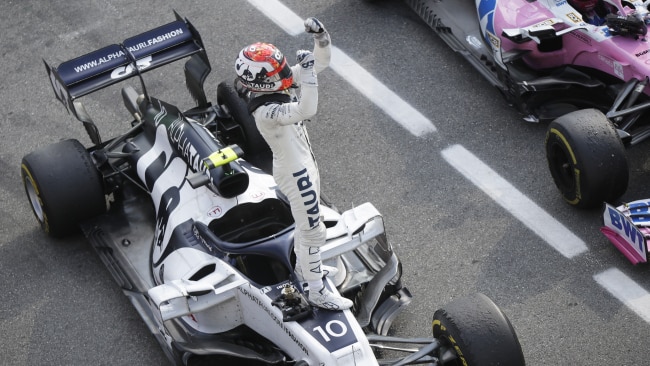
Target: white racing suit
(294, 167)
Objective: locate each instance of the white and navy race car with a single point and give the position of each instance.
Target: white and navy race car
(183, 212)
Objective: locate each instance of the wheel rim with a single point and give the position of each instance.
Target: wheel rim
(34, 200)
(562, 168)
(447, 354)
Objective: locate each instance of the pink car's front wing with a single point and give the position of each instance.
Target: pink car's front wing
(626, 235)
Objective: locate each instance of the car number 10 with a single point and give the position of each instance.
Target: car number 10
(333, 328)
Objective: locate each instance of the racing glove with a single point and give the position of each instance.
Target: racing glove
(306, 61)
(315, 27)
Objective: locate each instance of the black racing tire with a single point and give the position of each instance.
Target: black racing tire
(63, 186)
(586, 158)
(474, 331)
(253, 143)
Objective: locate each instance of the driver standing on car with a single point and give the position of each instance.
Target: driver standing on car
(281, 99)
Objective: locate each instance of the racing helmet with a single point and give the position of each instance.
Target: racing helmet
(584, 6)
(261, 67)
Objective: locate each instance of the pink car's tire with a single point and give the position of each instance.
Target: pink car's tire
(474, 331)
(586, 158)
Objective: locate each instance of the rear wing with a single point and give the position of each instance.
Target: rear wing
(136, 55)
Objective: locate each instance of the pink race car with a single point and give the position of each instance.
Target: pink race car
(581, 65)
(628, 227)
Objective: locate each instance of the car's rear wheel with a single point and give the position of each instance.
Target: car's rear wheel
(474, 331)
(586, 158)
(63, 186)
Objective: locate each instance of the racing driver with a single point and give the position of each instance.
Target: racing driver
(281, 98)
(593, 11)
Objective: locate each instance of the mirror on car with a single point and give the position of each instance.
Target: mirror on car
(542, 32)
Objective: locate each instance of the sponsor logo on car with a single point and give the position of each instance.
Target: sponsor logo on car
(215, 211)
(574, 17)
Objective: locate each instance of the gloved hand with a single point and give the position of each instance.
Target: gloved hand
(305, 59)
(313, 25)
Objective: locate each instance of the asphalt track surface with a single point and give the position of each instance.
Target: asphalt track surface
(446, 192)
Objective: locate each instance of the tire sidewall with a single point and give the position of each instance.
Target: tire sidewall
(478, 331)
(444, 331)
(65, 184)
(586, 158)
(556, 143)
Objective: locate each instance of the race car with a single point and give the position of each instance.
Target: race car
(627, 226)
(183, 211)
(589, 81)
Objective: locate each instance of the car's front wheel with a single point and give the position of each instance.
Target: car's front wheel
(63, 186)
(473, 331)
(586, 158)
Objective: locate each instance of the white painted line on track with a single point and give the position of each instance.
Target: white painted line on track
(378, 93)
(520, 206)
(626, 290)
(282, 16)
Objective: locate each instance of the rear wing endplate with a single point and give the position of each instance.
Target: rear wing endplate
(114, 63)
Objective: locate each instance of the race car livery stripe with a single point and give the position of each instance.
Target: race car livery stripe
(486, 6)
(486, 16)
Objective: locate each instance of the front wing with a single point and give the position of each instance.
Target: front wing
(626, 227)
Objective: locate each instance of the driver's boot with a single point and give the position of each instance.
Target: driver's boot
(327, 271)
(326, 299)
